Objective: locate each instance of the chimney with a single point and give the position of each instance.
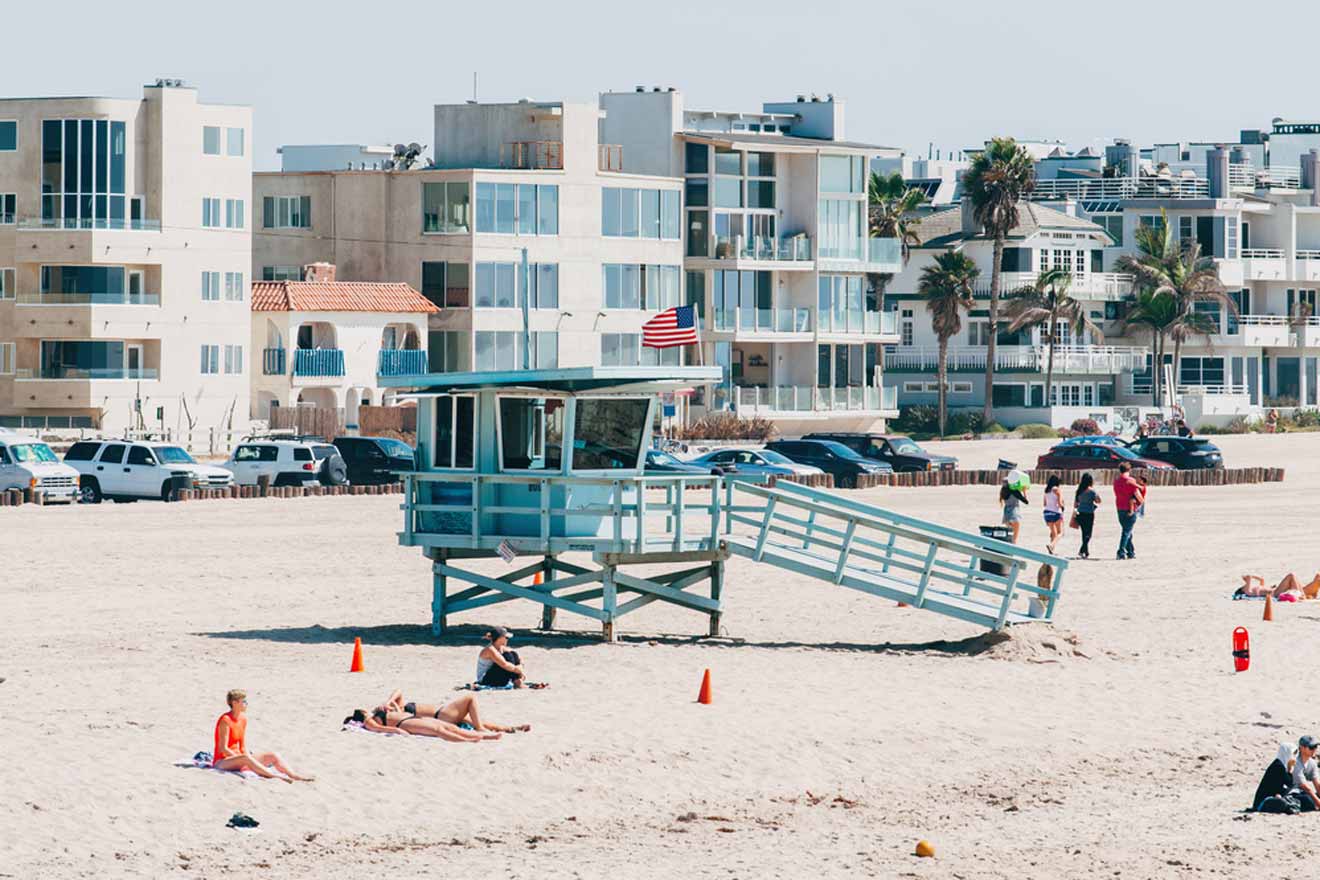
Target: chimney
(1311, 175)
(324, 272)
(969, 225)
(1216, 172)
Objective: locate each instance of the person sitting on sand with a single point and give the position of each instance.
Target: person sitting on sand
(231, 751)
(1294, 775)
(1253, 586)
(461, 710)
(497, 666)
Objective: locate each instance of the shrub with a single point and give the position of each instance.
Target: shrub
(1085, 427)
(727, 426)
(968, 422)
(1038, 432)
(918, 419)
(994, 428)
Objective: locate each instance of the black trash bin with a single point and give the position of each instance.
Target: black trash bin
(999, 533)
(178, 482)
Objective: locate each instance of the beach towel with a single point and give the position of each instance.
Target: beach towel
(473, 686)
(202, 761)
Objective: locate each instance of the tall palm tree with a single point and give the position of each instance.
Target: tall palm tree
(890, 214)
(1045, 304)
(1176, 270)
(1157, 314)
(946, 286)
(996, 180)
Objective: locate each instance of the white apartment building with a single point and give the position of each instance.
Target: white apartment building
(326, 343)
(775, 252)
(124, 257)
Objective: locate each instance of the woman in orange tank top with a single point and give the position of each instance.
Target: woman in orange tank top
(231, 752)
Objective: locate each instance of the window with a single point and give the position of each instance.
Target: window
(639, 213)
(1009, 395)
(698, 243)
(140, 455)
(728, 162)
(211, 140)
(842, 174)
(543, 282)
(1186, 229)
(960, 387)
(233, 360)
(978, 333)
(607, 433)
(698, 192)
(760, 194)
(8, 136)
(445, 207)
(1111, 224)
(234, 286)
(113, 453)
(914, 387)
(531, 433)
(83, 174)
(1153, 221)
(210, 359)
(501, 285)
(210, 213)
(1231, 238)
(497, 350)
(210, 286)
(8, 208)
(839, 304)
(840, 228)
(760, 164)
(7, 286)
(281, 273)
(7, 355)
(233, 213)
(286, 212)
(1201, 371)
(455, 431)
(728, 192)
(634, 286)
(448, 351)
(446, 284)
(626, 350)
(234, 139)
(696, 158)
(545, 350)
(547, 209)
(524, 208)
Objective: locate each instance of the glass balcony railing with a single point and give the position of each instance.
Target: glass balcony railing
(752, 320)
(858, 321)
(272, 362)
(401, 362)
(88, 223)
(885, 252)
(116, 298)
(318, 362)
(796, 248)
(803, 398)
(56, 371)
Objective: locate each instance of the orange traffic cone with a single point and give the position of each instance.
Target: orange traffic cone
(356, 665)
(538, 579)
(1269, 607)
(703, 696)
(902, 604)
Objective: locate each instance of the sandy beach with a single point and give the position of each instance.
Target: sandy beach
(1116, 743)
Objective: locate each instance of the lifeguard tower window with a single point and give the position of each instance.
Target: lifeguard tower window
(455, 431)
(531, 433)
(607, 433)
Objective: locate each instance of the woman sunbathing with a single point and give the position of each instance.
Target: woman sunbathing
(461, 710)
(1253, 585)
(383, 720)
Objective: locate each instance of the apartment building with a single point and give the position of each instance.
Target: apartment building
(776, 253)
(124, 260)
(537, 242)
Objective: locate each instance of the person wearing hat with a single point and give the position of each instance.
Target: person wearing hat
(1306, 773)
(497, 666)
(1291, 776)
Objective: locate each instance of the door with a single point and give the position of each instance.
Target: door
(109, 470)
(135, 287)
(141, 475)
(244, 465)
(8, 472)
(133, 361)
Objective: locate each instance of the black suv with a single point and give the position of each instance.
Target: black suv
(901, 453)
(374, 460)
(1184, 453)
(833, 458)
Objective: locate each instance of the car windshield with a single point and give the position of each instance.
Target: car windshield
(772, 457)
(324, 451)
(173, 455)
(32, 452)
(655, 456)
(1124, 452)
(840, 450)
(396, 448)
(905, 446)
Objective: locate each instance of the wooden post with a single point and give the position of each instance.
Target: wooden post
(438, 622)
(547, 611)
(609, 602)
(263, 485)
(716, 588)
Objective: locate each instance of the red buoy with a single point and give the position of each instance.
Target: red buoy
(1241, 650)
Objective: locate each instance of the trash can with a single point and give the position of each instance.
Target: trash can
(178, 482)
(1005, 465)
(999, 533)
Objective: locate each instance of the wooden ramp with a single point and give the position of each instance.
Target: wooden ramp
(864, 547)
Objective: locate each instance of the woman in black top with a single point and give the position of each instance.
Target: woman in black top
(1084, 505)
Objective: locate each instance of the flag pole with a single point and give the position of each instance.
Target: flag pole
(701, 354)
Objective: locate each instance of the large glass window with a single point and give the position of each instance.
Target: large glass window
(496, 350)
(531, 433)
(8, 136)
(639, 213)
(698, 192)
(455, 435)
(82, 360)
(650, 213)
(286, 212)
(607, 433)
(445, 207)
(448, 351)
(728, 162)
(840, 304)
(234, 141)
(840, 233)
(83, 173)
(211, 140)
(446, 284)
(545, 350)
(842, 174)
(547, 209)
(696, 158)
(500, 285)
(698, 242)
(525, 208)
(728, 192)
(760, 164)
(505, 208)
(100, 283)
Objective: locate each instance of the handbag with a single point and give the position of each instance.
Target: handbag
(1072, 521)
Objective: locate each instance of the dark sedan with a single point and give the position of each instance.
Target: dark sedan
(658, 462)
(833, 458)
(899, 452)
(1184, 453)
(1095, 456)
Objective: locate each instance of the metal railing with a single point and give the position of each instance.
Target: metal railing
(804, 398)
(87, 223)
(532, 155)
(793, 249)
(750, 320)
(858, 321)
(118, 298)
(1242, 175)
(318, 362)
(1262, 253)
(273, 362)
(1112, 188)
(401, 362)
(1029, 358)
(56, 373)
(1108, 286)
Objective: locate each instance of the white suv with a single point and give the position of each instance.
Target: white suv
(287, 462)
(131, 469)
(27, 463)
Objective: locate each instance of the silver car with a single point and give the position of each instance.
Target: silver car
(765, 462)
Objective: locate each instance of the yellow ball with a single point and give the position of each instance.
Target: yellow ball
(925, 849)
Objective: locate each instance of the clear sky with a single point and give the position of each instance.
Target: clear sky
(952, 72)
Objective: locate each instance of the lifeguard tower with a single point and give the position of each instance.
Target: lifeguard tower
(541, 463)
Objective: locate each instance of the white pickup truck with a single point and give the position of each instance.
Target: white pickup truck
(27, 463)
(125, 470)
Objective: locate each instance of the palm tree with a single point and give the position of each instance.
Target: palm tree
(996, 180)
(1044, 304)
(946, 285)
(890, 214)
(1180, 273)
(1156, 314)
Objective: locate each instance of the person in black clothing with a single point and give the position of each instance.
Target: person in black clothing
(1084, 505)
(1289, 784)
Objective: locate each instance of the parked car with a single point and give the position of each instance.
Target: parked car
(901, 453)
(659, 462)
(287, 462)
(126, 470)
(27, 463)
(1184, 453)
(372, 461)
(760, 462)
(1095, 456)
(833, 458)
(1102, 439)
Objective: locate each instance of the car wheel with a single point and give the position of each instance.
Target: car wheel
(89, 491)
(166, 493)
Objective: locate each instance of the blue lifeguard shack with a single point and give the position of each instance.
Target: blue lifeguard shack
(540, 463)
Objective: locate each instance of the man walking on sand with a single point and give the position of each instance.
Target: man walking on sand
(231, 751)
(1128, 498)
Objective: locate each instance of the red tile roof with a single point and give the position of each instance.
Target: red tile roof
(337, 296)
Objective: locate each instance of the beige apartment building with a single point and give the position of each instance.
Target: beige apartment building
(125, 249)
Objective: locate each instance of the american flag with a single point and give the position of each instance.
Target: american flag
(676, 326)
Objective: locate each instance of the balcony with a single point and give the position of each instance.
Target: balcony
(318, 363)
(119, 298)
(749, 321)
(1102, 286)
(803, 399)
(793, 252)
(858, 322)
(884, 255)
(272, 362)
(89, 242)
(1242, 176)
(85, 374)
(1117, 188)
(533, 155)
(1264, 264)
(1086, 359)
(87, 224)
(1259, 331)
(401, 362)
(1307, 265)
